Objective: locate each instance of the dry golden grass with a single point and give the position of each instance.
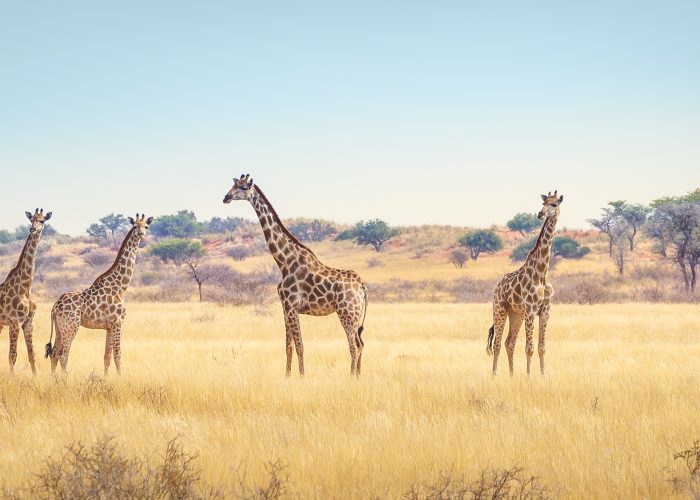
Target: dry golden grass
(621, 396)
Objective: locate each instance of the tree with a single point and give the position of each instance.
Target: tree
(315, 230)
(608, 224)
(563, 247)
(185, 252)
(459, 258)
(374, 232)
(5, 236)
(675, 227)
(227, 225)
(524, 223)
(184, 224)
(109, 227)
(633, 216)
(481, 241)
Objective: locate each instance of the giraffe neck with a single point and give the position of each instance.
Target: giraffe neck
(120, 273)
(538, 258)
(283, 245)
(24, 270)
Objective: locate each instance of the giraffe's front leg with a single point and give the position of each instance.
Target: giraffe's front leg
(529, 330)
(14, 335)
(28, 328)
(293, 332)
(544, 318)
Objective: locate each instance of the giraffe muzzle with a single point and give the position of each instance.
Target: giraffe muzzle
(228, 198)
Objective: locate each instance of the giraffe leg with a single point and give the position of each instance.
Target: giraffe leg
(14, 335)
(68, 330)
(293, 331)
(351, 324)
(529, 330)
(499, 321)
(514, 321)
(108, 350)
(28, 328)
(544, 318)
(115, 334)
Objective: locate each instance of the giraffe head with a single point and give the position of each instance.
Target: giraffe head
(550, 205)
(37, 220)
(241, 190)
(140, 225)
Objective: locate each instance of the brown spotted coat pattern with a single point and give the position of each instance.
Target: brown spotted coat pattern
(16, 305)
(308, 286)
(526, 293)
(101, 306)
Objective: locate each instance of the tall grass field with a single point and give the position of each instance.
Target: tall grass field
(619, 399)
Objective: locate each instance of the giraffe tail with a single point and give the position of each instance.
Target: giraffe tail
(489, 342)
(362, 325)
(49, 348)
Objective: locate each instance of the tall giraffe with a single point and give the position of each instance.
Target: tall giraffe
(308, 286)
(526, 293)
(101, 306)
(16, 305)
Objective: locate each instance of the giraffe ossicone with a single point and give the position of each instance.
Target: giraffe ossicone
(526, 293)
(101, 306)
(16, 305)
(308, 286)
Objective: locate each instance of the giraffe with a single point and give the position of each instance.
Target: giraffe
(101, 306)
(16, 305)
(308, 286)
(526, 293)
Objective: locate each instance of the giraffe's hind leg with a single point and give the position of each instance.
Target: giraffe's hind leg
(351, 324)
(14, 335)
(499, 321)
(529, 330)
(66, 330)
(514, 321)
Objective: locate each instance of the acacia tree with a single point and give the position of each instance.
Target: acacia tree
(608, 224)
(675, 224)
(632, 216)
(524, 223)
(187, 253)
(108, 228)
(481, 241)
(374, 232)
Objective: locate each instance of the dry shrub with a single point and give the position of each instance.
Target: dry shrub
(375, 262)
(689, 480)
(275, 486)
(154, 398)
(11, 248)
(492, 483)
(97, 388)
(239, 252)
(99, 257)
(102, 471)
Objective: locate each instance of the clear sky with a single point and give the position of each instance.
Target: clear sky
(415, 112)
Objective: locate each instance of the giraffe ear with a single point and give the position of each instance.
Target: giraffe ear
(47, 216)
(29, 215)
(561, 198)
(131, 221)
(544, 197)
(149, 220)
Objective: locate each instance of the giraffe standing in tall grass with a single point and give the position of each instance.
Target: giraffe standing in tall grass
(16, 305)
(526, 293)
(308, 286)
(101, 306)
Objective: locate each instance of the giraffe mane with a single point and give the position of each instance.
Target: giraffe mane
(121, 251)
(279, 221)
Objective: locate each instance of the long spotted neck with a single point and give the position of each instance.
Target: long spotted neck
(23, 272)
(283, 245)
(122, 270)
(538, 258)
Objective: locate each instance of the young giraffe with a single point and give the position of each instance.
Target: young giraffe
(526, 293)
(16, 305)
(308, 286)
(99, 307)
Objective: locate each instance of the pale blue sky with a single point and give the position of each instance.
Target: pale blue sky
(414, 112)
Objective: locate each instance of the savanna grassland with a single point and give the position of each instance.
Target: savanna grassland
(619, 399)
